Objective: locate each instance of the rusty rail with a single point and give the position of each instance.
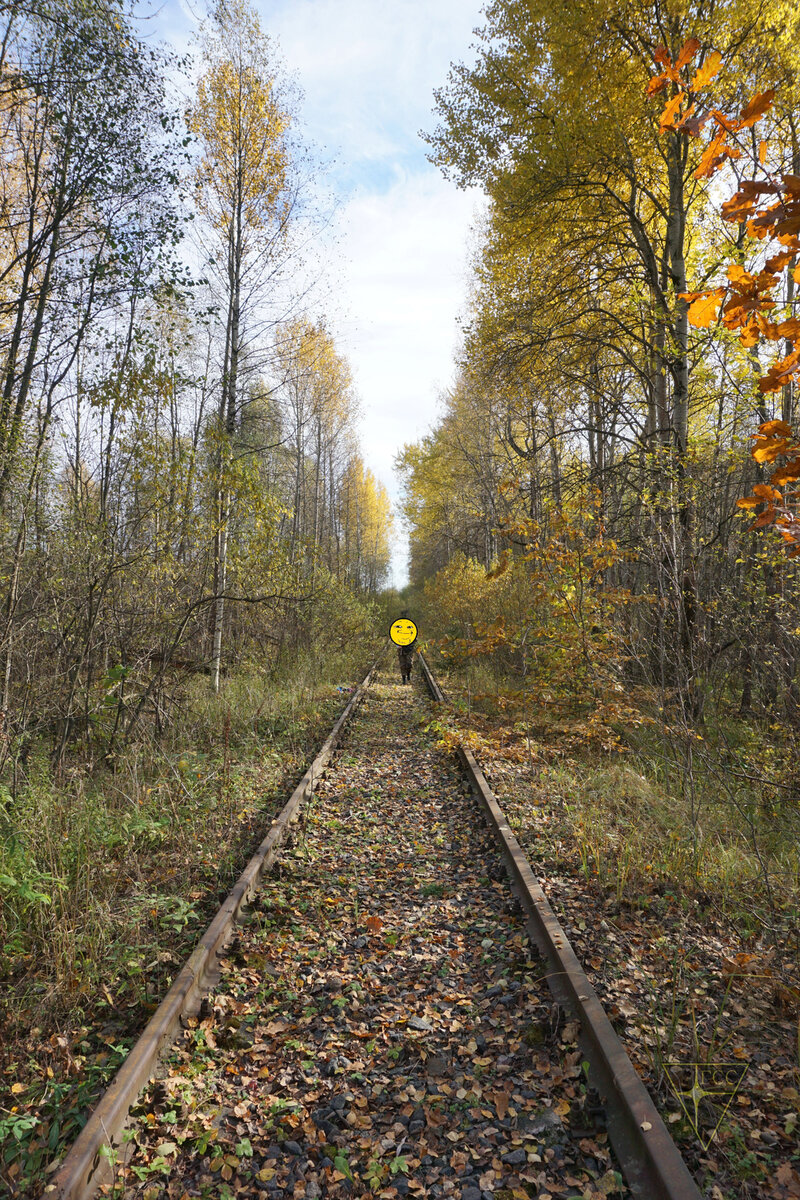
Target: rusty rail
(90, 1161)
(431, 681)
(650, 1160)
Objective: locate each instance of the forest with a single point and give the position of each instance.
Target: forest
(582, 514)
(192, 543)
(602, 518)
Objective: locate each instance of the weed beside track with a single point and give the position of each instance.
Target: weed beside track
(709, 1019)
(143, 857)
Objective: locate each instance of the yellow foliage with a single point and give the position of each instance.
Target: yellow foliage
(550, 619)
(241, 126)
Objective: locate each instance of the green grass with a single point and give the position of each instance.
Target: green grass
(102, 871)
(109, 874)
(707, 815)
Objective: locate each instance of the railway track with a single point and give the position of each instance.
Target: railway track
(387, 1017)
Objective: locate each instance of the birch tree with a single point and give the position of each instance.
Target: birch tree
(245, 195)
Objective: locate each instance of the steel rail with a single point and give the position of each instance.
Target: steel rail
(650, 1160)
(431, 681)
(90, 1162)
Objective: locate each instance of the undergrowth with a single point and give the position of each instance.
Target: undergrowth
(109, 872)
(650, 810)
(671, 858)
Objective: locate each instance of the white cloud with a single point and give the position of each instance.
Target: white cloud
(404, 286)
(368, 69)
(370, 60)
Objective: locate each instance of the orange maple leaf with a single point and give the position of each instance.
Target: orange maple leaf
(763, 225)
(741, 279)
(788, 473)
(789, 227)
(657, 84)
(765, 492)
(724, 121)
(687, 52)
(767, 328)
(749, 335)
(762, 494)
(780, 260)
(781, 373)
(766, 518)
(746, 200)
(693, 126)
(671, 109)
(768, 449)
(745, 301)
(789, 328)
(774, 428)
(714, 156)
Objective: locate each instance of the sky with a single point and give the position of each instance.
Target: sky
(398, 272)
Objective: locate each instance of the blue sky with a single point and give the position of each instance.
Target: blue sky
(397, 251)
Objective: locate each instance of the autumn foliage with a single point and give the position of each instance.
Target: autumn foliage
(767, 211)
(549, 619)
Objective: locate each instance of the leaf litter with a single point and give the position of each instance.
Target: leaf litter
(382, 1025)
(704, 1018)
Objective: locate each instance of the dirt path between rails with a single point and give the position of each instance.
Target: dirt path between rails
(381, 1026)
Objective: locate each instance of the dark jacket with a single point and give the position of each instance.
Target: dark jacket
(405, 657)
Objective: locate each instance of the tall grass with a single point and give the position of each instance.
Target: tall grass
(109, 870)
(106, 871)
(711, 818)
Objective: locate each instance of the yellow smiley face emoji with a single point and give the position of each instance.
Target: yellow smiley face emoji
(403, 632)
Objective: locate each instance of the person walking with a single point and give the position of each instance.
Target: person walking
(405, 657)
(403, 633)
